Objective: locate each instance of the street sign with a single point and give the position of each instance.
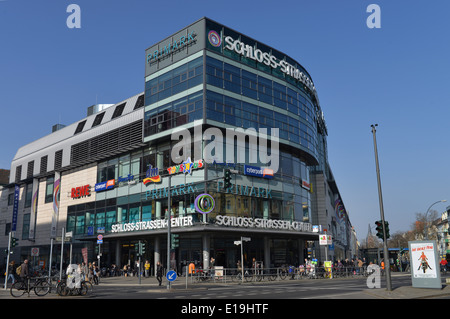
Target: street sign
(325, 240)
(34, 252)
(171, 276)
(246, 239)
(99, 239)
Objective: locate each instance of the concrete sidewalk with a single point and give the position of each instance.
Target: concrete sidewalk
(409, 292)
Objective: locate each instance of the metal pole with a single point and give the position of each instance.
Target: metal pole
(50, 259)
(426, 217)
(380, 196)
(7, 260)
(70, 256)
(242, 259)
(139, 267)
(169, 212)
(62, 251)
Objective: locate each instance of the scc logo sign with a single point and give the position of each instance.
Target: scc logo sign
(204, 203)
(214, 38)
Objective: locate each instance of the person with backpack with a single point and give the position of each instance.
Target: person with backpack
(24, 271)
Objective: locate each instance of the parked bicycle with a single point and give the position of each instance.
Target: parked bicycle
(40, 286)
(238, 275)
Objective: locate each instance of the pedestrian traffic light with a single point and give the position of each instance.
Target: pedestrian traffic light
(174, 241)
(386, 228)
(379, 229)
(227, 179)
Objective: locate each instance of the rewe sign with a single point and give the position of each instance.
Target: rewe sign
(81, 191)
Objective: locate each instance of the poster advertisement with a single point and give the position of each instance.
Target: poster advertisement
(423, 260)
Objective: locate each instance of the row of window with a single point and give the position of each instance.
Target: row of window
(43, 166)
(173, 114)
(117, 112)
(276, 72)
(175, 81)
(224, 109)
(239, 81)
(92, 215)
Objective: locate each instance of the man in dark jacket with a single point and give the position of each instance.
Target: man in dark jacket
(24, 271)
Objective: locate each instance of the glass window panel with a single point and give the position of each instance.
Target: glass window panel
(100, 219)
(110, 219)
(134, 213)
(79, 229)
(71, 223)
(146, 212)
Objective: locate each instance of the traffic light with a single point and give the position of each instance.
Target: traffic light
(141, 248)
(14, 242)
(174, 241)
(386, 227)
(379, 229)
(227, 179)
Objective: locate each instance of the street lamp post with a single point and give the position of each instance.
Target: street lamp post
(380, 196)
(425, 229)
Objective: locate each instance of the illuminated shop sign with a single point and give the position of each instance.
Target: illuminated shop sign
(186, 167)
(268, 59)
(249, 222)
(152, 175)
(105, 185)
(81, 191)
(182, 189)
(258, 171)
(171, 48)
(182, 221)
(245, 190)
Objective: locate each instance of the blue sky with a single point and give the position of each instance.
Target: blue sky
(396, 76)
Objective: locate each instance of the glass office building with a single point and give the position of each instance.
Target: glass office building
(117, 167)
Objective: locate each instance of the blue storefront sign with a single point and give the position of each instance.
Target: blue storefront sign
(258, 171)
(105, 185)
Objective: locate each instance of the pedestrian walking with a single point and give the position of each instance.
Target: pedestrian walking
(12, 272)
(24, 271)
(95, 273)
(159, 272)
(147, 268)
